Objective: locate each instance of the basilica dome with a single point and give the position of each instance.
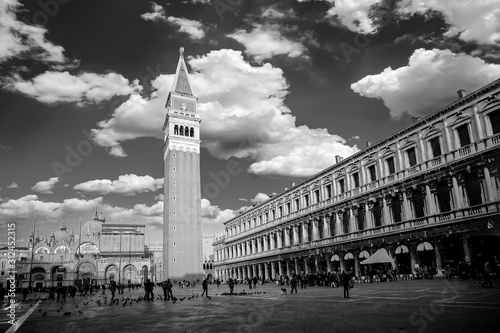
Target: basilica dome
(62, 235)
(94, 227)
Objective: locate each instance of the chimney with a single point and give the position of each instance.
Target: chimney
(368, 144)
(461, 93)
(338, 158)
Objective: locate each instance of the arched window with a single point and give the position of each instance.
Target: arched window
(176, 130)
(111, 276)
(495, 121)
(191, 132)
(181, 131)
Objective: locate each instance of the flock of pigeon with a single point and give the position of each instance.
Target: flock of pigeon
(124, 301)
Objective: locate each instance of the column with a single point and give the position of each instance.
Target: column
(465, 244)
(280, 241)
(429, 198)
(265, 275)
(455, 191)
(368, 216)
(305, 239)
(316, 264)
(273, 270)
(338, 223)
(406, 206)
(329, 265)
(357, 268)
(352, 219)
(280, 267)
(287, 236)
(326, 226)
(490, 193)
(273, 243)
(439, 261)
(260, 270)
(254, 268)
(288, 267)
(315, 229)
(295, 234)
(306, 265)
(413, 256)
(297, 266)
(266, 242)
(254, 245)
(342, 262)
(387, 215)
(259, 244)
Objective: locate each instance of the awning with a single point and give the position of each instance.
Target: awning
(402, 249)
(425, 246)
(348, 256)
(335, 257)
(380, 256)
(364, 254)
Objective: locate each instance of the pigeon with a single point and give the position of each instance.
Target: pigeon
(44, 314)
(58, 310)
(39, 310)
(66, 313)
(80, 312)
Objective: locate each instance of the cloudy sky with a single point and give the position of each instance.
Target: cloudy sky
(283, 87)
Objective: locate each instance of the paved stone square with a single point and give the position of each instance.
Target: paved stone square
(402, 306)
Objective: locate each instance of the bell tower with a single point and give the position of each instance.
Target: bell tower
(182, 229)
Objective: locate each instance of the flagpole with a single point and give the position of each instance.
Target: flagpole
(120, 261)
(79, 244)
(32, 253)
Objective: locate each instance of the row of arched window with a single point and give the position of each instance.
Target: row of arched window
(184, 131)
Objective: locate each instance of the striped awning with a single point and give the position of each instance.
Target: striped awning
(364, 254)
(335, 257)
(425, 246)
(402, 249)
(348, 256)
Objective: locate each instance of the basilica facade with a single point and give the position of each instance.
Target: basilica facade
(99, 253)
(428, 195)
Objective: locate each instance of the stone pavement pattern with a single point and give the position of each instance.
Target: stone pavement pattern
(402, 306)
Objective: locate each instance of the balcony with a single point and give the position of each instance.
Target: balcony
(436, 161)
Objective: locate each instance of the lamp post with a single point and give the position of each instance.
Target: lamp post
(32, 252)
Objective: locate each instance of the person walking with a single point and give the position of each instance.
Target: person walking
(293, 284)
(204, 284)
(231, 285)
(346, 279)
(148, 288)
(112, 288)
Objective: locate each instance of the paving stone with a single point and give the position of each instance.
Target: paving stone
(403, 306)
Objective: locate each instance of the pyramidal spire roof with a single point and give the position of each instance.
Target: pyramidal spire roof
(181, 81)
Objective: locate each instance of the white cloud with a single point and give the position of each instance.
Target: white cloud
(356, 15)
(18, 39)
(158, 13)
(266, 41)
(244, 115)
(53, 87)
(45, 186)
(51, 213)
(213, 215)
(429, 82)
(129, 184)
(13, 185)
(193, 29)
(260, 198)
(159, 197)
(477, 21)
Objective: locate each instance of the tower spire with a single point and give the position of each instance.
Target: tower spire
(181, 84)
